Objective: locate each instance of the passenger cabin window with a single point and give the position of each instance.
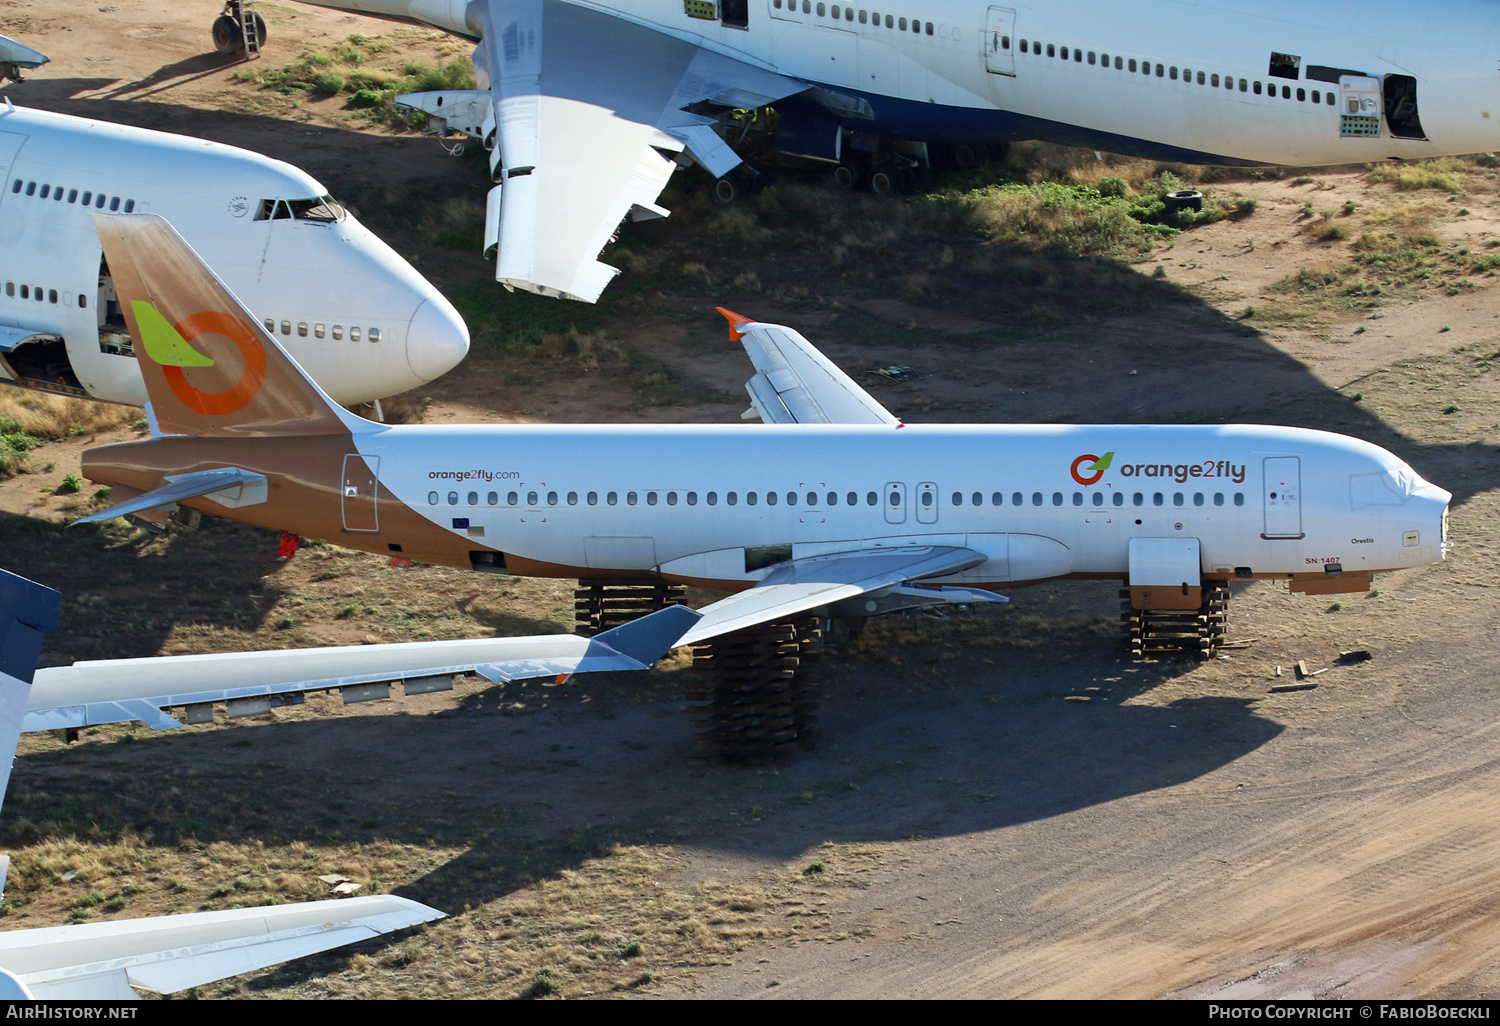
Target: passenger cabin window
(353, 334)
(338, 332)
(374, 334)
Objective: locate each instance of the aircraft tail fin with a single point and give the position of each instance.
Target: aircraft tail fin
(210, 368)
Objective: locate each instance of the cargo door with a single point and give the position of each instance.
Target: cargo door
(1282, 496)
(927, 503)
(999, 42)
(895, 503)
(361, 493)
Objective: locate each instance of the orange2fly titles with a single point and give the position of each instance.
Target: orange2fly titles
(1088, 469)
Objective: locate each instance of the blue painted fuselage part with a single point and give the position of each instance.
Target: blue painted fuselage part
(898, 118)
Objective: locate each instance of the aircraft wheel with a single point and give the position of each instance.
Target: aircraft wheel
(848, 176)
(260, 28)
(885, 179)
(228, 38)
(728, 190)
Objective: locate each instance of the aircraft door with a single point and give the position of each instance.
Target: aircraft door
(361, 497)
(927, 503)
(1281, 492)
(895, 503)
(999, 42)
(10, 146)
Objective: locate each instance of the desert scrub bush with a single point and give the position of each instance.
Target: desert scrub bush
(346, 69)
(51, 417)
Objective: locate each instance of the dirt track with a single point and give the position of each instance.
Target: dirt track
(991, 822)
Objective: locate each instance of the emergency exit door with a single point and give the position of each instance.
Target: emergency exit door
(1282, 497)
(361, 498)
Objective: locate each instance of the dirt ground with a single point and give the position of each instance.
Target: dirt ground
(999, 806)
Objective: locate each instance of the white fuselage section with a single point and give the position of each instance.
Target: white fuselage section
(717, 505)
(1187, 81)
(354, 314)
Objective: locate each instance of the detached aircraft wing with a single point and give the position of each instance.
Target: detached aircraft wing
(587, 111)
(887, 578)
(118, 690)
(796, 384)
(164, 954)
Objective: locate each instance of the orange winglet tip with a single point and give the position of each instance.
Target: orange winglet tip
(735, 320)
(563, 678)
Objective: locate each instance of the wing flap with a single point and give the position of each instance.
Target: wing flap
(589, 123)
(818, 581)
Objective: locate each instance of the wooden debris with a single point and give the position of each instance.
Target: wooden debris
(1301, 668)
(347, 889)
(1316, 672)
(1355, 655)
(1246, 643)
(333, 879)
(1278, 671)
(1303, 686)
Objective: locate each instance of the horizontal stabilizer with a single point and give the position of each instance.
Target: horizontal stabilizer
(238, 488)
(119, 690)
(818, 581)
(167, 954)
(796, 384)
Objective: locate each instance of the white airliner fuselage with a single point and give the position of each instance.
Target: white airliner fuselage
(359, 318)
(705, 505)
(1161, 78)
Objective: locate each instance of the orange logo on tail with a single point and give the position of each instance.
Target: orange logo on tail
(217, 404)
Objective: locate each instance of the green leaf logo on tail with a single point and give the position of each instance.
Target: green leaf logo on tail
(1096, 466)
(162, 342)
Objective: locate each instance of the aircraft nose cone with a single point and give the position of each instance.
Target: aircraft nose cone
(438, 339)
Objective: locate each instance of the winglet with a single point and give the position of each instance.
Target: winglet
(735, 320)
(649, 638)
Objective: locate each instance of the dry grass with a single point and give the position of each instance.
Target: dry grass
(43, 415)
(1446, 174)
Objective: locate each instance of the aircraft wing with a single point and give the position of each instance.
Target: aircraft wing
(818, 581)
(796, 384)
(118, 690)
(588, 118)
(167, 954)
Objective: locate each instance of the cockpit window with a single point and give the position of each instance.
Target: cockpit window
(1391, 488)
(324, 208)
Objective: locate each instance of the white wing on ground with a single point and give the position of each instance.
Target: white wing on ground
(116, 690)
(588, 117)
(166, 954)
(12, 52)
(796, 384)
(818, 581)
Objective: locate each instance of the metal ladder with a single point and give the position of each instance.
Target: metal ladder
(244, 11)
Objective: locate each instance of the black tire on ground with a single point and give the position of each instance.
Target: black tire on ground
(848, 176)
(228, 38)
(963, 156)
(885, 178)
(1184, 199)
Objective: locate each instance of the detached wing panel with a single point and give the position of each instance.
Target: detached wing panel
(117, 690)
(586, 105)
(167, 954)
(818, 581)
(796, 384)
